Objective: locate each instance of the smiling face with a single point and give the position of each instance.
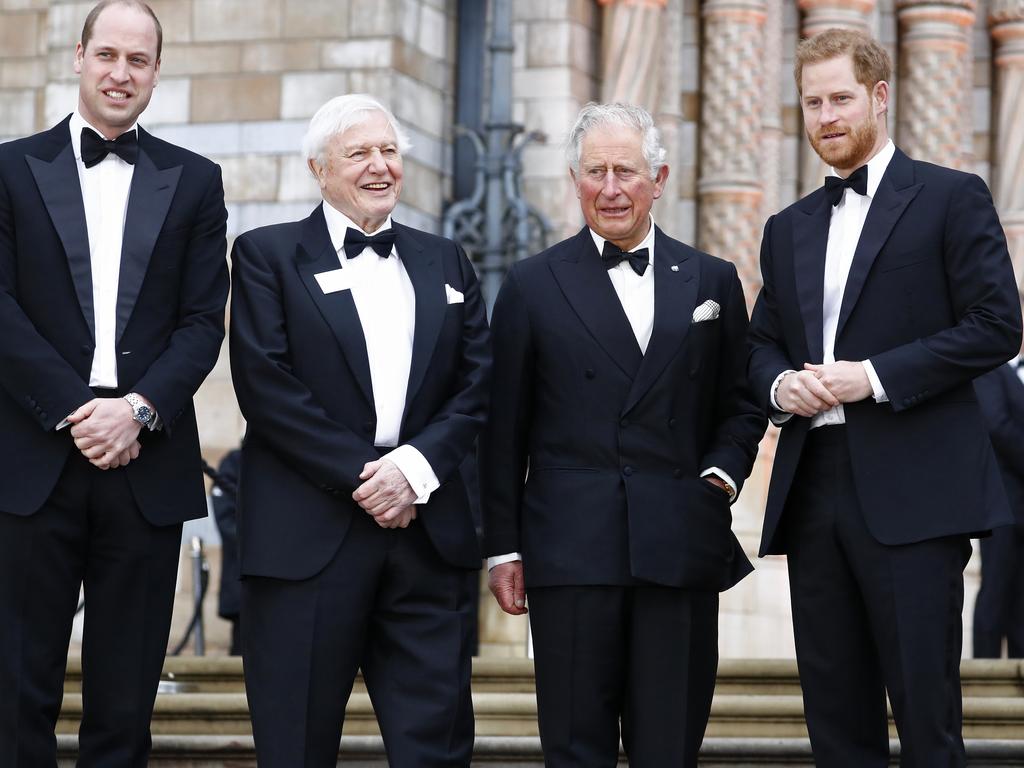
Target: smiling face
(614, 184)
(844, 119)
(117, 70)
(361, 171)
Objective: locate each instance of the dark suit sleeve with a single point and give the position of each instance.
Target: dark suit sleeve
(504, 446)
(741, 421)
(272, 398)
(986, 312)
(448, 437)
(193, 346)
(768, 353)
(1005, 431)
(36, 376)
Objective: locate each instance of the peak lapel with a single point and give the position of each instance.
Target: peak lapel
(894, 194)
(585, 284)
(149, 199)
(61, 190)
(810, 241)
(314, 254)
(427, 278)
(675, 296)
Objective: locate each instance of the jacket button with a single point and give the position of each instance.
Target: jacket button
(86, 349)
(624, 423)
(672, 422)
(589, 373)
(627, 471)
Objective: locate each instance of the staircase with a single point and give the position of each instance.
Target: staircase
(202, 720)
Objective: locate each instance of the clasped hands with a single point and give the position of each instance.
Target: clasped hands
(386, 494)
(106, 433)
(818, 388)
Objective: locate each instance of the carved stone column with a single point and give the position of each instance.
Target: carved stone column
(730, 188)
(1006, 19)
(819, 15)
(771, 120)
(934, 52)
(631, 51)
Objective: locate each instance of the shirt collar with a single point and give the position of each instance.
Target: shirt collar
(647, 242)
(77, 124)
(876, 167)
(338, 222)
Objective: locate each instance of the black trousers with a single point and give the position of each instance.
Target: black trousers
(89, 532)
(645, 656)
(999, 608)
(386, 603)
(870, 619)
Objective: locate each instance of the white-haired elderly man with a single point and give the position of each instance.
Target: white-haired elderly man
(360, 358)
(618, 394)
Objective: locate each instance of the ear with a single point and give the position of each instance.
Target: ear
(317, 171)
(659, 181)
(575, 182)
(79, 56)
(156, 73)
(880, 97)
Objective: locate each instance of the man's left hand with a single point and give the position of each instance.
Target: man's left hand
(847, 381)
(103, 430)
(385, 494)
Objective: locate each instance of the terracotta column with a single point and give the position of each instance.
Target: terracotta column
(935, 53)
(631, 51)
(1006, 20)
(730, 187)
(819, 15)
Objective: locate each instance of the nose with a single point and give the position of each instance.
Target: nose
(610, 187)
(377, 163)
(119, 72)
(827, 114)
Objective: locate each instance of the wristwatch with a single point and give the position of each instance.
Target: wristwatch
(141, 412)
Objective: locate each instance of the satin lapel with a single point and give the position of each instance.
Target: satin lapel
(894, 194)
(585, 284)
(810, 240)
(427, 277)
(314, 254)
(149, 200)
(675, 296)
(61, 191)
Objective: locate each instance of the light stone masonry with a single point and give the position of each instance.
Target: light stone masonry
(200, 59)
(236, 19)
(350, 54)
(247, 97)
(170, 103)
(17, 112)
(23, 73)
(21, 35)
(175, 19)
(303, 93)
(316, 18)
(249, 178)
(278, 57)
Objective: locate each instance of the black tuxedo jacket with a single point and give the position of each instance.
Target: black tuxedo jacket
(931, 301)
(1001, 395)
(170, 315)
(610, 442)
(302, 376)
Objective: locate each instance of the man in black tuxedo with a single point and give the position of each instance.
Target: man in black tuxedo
(885, 293)
(618, 398)
(999, 608)
(360, 357)
(112, 290)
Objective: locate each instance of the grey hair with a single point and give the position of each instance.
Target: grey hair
(338, 115)
(639, 119)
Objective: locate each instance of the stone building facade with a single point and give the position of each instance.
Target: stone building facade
(240, 79)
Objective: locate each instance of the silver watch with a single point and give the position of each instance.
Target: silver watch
(141, 412)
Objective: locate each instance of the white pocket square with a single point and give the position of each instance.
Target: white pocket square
(707, 311)
(453, 296)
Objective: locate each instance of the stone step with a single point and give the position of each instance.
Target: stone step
(518, 752)
(515, 714)
(211, 674)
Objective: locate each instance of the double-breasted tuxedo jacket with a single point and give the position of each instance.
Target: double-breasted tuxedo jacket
(931, 301)
(170, 315)
(302, 377)
(610, 441)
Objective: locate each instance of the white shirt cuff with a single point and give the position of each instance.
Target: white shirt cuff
(778, 416)
(721, 476)
(876, 383)
(417, 470)
(511, 557)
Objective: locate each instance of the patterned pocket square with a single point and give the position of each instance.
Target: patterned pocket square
(707, 311)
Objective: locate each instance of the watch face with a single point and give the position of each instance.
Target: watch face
(143, 414)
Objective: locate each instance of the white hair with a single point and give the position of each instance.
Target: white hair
(338, 115)
(639, 119)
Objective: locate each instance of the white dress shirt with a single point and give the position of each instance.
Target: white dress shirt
(386, 304)
(105, 189)
(636, 294)
(844, 232)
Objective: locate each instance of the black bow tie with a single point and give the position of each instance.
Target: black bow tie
(95, 147)
(857, 181)
(356, 241)
(612, 255)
